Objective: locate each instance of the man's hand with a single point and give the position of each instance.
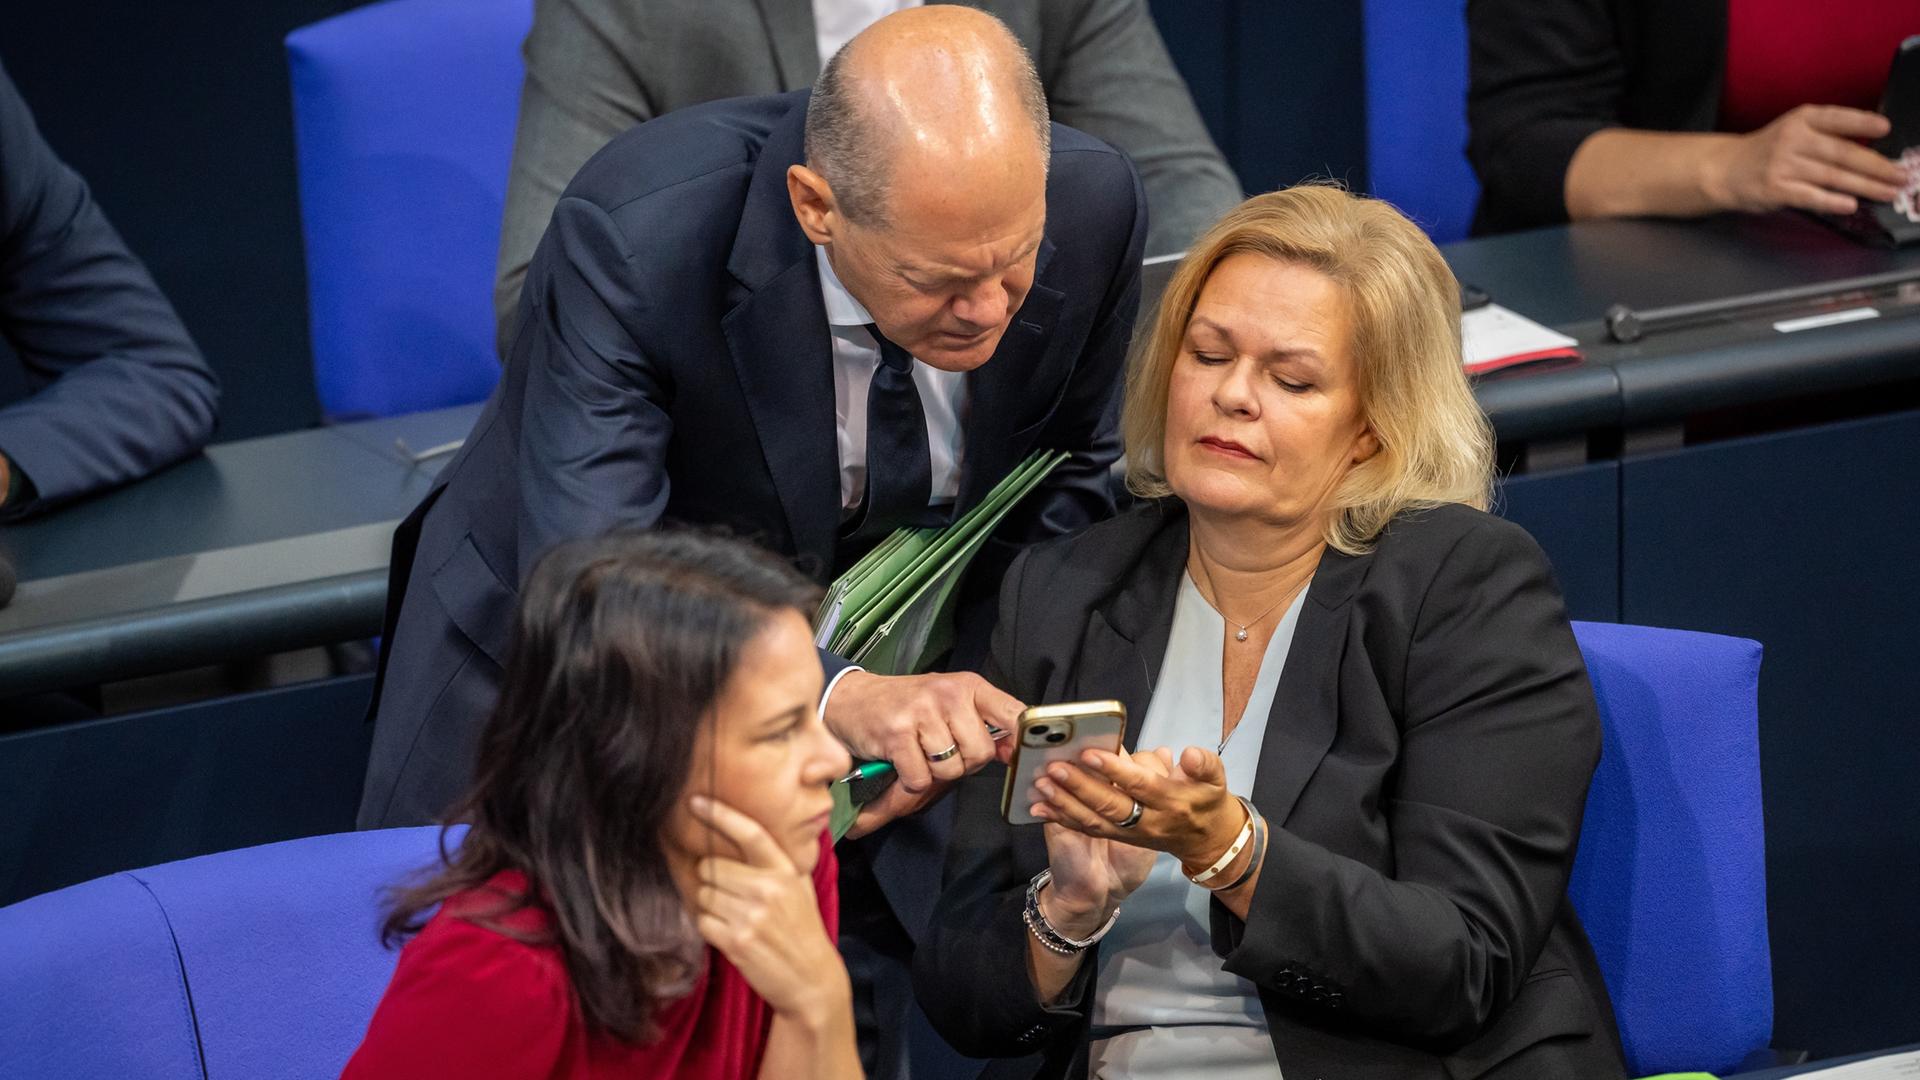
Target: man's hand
(910, 719)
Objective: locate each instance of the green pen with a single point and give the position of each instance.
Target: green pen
(867, 770)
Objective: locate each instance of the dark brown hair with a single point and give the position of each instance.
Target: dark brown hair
(621, 648)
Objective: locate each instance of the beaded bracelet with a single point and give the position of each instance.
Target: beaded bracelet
(1043, 931)
(1233, 850)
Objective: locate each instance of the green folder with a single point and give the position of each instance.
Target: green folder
(892, 612)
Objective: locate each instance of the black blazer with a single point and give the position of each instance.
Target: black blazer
(1545, 74)
(109, 387)
(1424, 770)
(674, 363)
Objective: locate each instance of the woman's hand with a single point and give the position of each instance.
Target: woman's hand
(1807, 158)
(1186, 809)
(1091, 875)
(763, 916)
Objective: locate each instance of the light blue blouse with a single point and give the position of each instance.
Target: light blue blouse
(1163, 1007)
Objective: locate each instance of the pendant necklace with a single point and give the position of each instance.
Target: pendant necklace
(1241, 633)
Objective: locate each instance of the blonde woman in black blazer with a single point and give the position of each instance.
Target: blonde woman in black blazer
(1392, 886)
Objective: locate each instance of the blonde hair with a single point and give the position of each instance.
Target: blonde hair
(1436, 445)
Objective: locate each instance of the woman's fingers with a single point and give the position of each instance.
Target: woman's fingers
(1203, 766)
(1141, 777)
(759, 848)
(1846, 123)
(1092, 790)
(1067, 809)
(1808, 196)
(1838, 165)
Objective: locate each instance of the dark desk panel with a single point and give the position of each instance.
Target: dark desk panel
(1783, 1072)
(95, 798)
(1809, 542)
(1551, 400)
(1575, 516)
(1567, 277)
(239, 493)
(260, 546)
(1572, 274)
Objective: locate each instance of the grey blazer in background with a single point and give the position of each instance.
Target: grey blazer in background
(597, 67)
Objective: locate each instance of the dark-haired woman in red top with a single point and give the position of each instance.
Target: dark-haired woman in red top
(646, 888)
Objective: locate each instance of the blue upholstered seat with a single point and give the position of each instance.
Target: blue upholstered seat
(1416, 74)
(1671, 876)
(404, 118)
(258, 963)
(265, 963)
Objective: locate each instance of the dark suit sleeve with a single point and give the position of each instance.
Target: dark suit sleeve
(970, 971)
(1543, 75)
(1087, 419)
(1114, 80)
(1500, 736)
(593, 419)
(120, 388)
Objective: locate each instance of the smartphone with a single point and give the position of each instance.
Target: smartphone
(1050, 733)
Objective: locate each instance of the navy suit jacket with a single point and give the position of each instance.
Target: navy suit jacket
(674, 364)
(108, 386)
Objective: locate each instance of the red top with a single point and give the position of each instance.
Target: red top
(466, 1001)
(1786, 53)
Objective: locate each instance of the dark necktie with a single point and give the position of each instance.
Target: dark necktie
(899, 465)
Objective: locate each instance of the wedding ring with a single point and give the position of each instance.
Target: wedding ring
(1131, 819)
(945, 754)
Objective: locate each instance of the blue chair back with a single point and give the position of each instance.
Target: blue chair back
(1670, 879)
(1416, 70)
(404, 118)
(264, 962)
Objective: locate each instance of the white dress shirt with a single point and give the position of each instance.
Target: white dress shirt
(943, 395)
(835, 22)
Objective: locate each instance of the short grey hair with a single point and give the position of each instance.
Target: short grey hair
(840, 142)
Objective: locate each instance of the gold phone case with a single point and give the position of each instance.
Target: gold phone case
(1090, 725)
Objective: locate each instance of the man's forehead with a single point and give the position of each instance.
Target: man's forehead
(962, 260)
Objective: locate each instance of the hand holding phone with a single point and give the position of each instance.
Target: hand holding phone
(1048, 733)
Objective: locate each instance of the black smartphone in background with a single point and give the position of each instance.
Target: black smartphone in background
(1900, 101)
(1895, 224)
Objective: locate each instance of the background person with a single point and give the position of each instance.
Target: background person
(109, 387)
(1584, 109)
(597, 67)
(1367, 731)
(647, 888)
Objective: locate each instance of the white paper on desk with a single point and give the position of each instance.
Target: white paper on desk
(1491, 333)
(1904, 1066)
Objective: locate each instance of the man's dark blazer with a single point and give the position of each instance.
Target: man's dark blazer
(674, 364)
(113, 387)
(1545, 74)
(1424, 770)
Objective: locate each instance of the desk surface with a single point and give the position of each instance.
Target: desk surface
(256, 546)
(281, 542)
(1567, 277)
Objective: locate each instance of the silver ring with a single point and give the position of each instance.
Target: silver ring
(1131, 819)
(945, 754)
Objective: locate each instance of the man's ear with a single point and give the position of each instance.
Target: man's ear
(813, 205)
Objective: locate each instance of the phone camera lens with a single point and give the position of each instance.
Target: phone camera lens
(1056, 736)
